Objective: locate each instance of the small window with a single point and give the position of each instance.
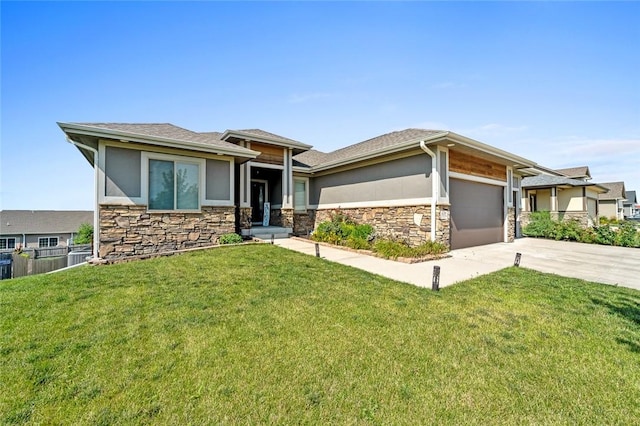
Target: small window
(173, 185)
(47, 242)
(300, 195)
(7, 243)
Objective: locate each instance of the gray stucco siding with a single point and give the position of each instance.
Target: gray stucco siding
(218, 184)
(122, 172)
(405, 178)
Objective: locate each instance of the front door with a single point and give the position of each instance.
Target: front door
(258, 198)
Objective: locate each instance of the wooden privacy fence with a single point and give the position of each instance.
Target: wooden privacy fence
(40, 261)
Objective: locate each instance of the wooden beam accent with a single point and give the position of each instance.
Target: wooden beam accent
(468, 164)
(269, 154)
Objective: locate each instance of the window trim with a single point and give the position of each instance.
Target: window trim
(48, 242)
(6, 243)
(306, 193)
(443, 198)
(200, 162)
(143, 200)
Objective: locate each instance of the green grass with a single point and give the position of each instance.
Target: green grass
(259, 334)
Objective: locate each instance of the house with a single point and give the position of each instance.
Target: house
(611, 203)
(40, 228)
(564, 197)
(160, 187)
(580, 173)
(630, 206)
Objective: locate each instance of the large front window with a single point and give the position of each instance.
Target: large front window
(173, 185)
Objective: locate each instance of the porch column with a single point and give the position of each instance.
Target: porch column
(244, 209)
(287, 179)
(554, 199)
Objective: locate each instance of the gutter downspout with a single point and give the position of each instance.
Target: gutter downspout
(434, 188)
(96, 221)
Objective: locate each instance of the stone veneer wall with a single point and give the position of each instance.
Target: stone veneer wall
(245, 217)
(303, 223)
(133, 231)
(397, 222)
(511, 224)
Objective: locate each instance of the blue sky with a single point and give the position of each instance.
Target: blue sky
(558, 83)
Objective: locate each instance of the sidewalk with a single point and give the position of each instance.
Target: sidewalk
(604, 264)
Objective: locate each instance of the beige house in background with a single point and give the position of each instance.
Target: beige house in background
(563, 197)
(612, 202)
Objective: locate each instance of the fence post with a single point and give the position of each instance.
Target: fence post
(435, 280)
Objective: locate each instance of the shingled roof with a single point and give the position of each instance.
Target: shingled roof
(616, 191)
(576, 172)
(363, 148)
(30, 222)
(165, 131)
(546, 181)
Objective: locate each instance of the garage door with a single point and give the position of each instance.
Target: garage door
(476, 213)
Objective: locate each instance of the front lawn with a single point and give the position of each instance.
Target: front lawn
(258, 334)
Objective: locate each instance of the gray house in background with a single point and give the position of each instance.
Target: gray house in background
(40, 228)
(630, 205)
(160, 187)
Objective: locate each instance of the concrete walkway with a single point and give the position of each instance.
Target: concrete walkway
(603, 264)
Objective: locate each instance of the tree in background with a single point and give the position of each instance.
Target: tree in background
(84, 234)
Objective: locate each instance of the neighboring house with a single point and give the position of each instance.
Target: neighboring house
(40, 228)
(160, 187)
(611, 203)
(580, 173)
(630, 206)
(563, 197)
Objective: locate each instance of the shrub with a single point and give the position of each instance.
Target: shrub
(340, 230)
(393, 249)
(84, 235)
(627, 235)
(230, 238)
(540, 225)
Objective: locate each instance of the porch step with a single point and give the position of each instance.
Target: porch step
(265, 232)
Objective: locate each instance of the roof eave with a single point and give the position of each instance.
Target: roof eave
(413, 143)
(497, 152)
(155, 140)
(265, 139)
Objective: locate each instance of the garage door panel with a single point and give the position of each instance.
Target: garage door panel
(476, 213)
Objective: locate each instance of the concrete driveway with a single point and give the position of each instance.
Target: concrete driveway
(603, 264)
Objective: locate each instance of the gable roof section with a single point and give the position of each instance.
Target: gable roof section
(547, 181)
(309, 158)
(576, 172)
(163, 134)
(398, 141)
(42, 221)
(631, 198)
(259, 135)
(376, 145)
(616, 191)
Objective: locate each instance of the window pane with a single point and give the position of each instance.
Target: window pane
(161, 185)
(3, 244)
(53, 241)
(187, 176)
(300, 195)
(11, 243)
(43, 242)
